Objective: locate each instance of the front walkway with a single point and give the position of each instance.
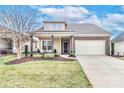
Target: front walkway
(103, 71)
(67, 56)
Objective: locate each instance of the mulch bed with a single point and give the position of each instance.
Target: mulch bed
(28, 59)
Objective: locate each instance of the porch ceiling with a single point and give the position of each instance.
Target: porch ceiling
(55, 34)
(49, 37)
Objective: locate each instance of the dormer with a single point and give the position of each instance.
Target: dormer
(54, 25)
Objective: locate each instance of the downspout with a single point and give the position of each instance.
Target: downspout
(52, 37)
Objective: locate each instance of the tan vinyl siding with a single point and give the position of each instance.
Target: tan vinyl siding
(57, 45)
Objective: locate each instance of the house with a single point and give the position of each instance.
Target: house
(4, 43)
(65, 38)
(7, 43)
(118, 45)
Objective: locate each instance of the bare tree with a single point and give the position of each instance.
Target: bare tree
(18, 22)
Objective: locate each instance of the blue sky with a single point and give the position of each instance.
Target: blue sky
(109, 17)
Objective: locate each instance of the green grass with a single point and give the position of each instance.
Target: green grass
(5, 59)
(121, 58)
(42, 74)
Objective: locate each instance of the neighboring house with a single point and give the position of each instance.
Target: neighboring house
(8, 44)
(81, 39)
(4, 44)
(119, 45)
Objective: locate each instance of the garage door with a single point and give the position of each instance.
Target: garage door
(90, 47)
(4, 43)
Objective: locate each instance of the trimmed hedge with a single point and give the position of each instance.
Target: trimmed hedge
(37, 55)
(47, 56)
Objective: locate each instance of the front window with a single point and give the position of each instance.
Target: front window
(47, 45)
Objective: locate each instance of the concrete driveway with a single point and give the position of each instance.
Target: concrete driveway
(103, 71)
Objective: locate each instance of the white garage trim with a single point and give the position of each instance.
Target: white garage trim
(90, 47)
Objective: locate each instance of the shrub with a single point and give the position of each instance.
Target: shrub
(72, 54)
(55, 51)
(3, 52)
(38, 50)
(26, 52)
(37, 55)
(56, 55)
(48, 56)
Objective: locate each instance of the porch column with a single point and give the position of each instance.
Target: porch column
(52, 38)
(31, 44)
(71, 44)
(38, 44)
(14, 46)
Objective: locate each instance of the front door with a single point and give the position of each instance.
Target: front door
(66, 47)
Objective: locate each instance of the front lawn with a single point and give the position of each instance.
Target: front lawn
(121, 58)
(42, 74)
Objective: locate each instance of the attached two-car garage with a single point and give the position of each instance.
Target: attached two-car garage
(90, 47)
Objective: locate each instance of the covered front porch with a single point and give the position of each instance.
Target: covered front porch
(58, 44)
(51, 43)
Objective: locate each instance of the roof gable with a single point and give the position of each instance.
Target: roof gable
(119, 38)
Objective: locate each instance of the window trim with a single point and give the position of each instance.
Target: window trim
(46, 45)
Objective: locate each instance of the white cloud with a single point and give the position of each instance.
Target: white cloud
(70, 13)
(115, 18)
(114, 22)
(93, 19)
(111, 22)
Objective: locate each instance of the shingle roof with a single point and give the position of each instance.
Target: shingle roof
(86, 29)
(119, 38)
(56, 21)
(82, 29)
